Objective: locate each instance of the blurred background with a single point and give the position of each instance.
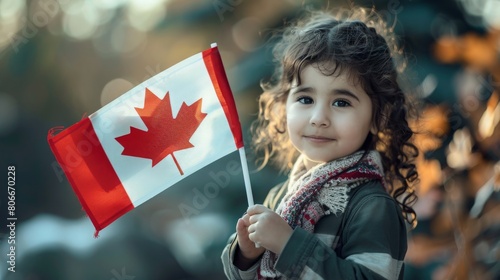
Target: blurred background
(62, 59)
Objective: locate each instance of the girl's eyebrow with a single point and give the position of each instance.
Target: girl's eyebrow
(342, 91)
(301, 88)
(337, 91)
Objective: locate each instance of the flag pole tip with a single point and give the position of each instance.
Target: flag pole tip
(213, 45)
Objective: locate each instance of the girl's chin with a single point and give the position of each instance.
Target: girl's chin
(312, 161)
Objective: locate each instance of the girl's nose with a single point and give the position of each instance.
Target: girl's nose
(320, 117)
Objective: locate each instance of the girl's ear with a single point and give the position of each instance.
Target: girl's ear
(373, 129)
(378, 123)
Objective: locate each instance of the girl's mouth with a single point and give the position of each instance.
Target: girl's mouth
(318, 139)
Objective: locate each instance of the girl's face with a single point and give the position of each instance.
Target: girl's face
(328, 117)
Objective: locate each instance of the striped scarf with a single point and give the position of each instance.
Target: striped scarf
(326, 184)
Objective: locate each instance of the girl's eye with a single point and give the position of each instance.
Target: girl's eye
(305, 100)
(341, 103)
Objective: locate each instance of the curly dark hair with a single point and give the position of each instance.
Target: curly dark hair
(361, 43)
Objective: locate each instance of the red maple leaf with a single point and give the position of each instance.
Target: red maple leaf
(164, 135)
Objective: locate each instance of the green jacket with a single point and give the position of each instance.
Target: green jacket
(367, 241)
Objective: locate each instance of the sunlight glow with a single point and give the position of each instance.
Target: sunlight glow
(491, 13)
(144, 15)
(78, 26)
(487, 10)
(10, 9)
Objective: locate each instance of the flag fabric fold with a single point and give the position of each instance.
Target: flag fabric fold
(151, 137)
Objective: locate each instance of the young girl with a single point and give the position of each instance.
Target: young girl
(336, 103)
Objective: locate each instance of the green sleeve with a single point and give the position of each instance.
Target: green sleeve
(231, 271)
(373, 244)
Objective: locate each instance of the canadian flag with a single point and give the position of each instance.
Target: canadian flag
(149, 138)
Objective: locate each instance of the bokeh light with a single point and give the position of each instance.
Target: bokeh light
(114, 89)
(486, 11)
(11, 20)
(145, 15)
(246, 33)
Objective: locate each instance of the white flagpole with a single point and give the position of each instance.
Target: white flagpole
(246, 176)
(244, 166)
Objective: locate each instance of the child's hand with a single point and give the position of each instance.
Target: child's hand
(268, 229)
(247, 247)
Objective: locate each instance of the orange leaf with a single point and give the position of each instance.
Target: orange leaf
(164, 135)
